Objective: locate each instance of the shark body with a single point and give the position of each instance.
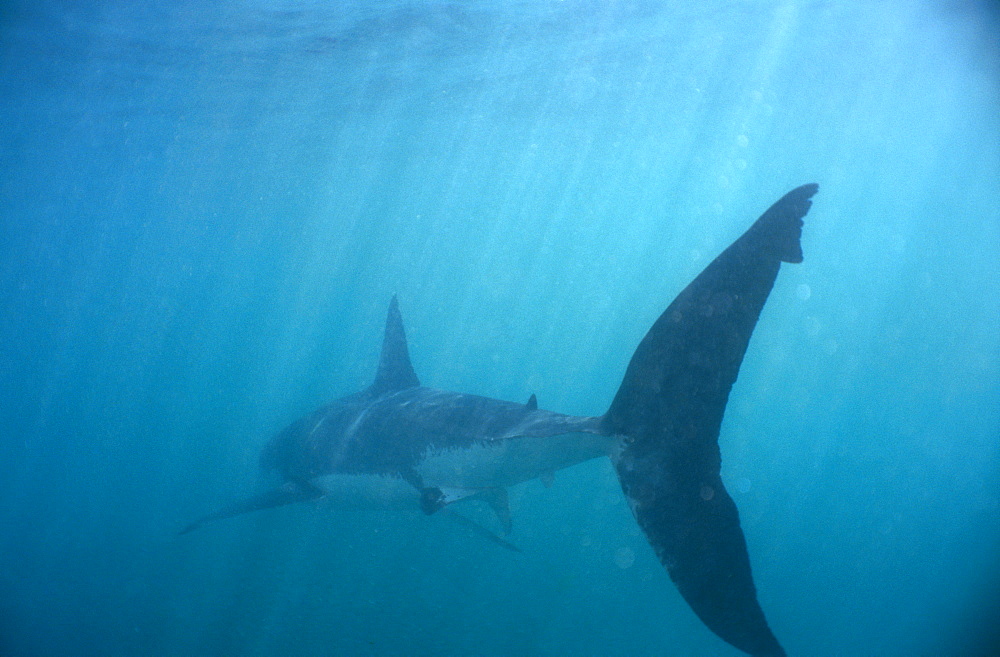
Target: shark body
(661, 433)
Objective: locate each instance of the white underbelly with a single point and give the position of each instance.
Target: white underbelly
(503, 463)
(367, 492)
(498, 464)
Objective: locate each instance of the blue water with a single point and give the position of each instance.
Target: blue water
(206, 208)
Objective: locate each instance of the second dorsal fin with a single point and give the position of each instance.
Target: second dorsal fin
(395, 372)
(532, 404)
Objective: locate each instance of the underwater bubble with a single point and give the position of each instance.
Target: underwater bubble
(803, 292)
(742, 141)
(624, 557)
(743, 485)
(813, 326)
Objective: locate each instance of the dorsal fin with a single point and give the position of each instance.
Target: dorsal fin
(394, 369)
(532, 404)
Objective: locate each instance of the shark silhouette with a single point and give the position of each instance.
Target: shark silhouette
(661, 433)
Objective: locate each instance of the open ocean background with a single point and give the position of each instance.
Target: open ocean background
(206, 207)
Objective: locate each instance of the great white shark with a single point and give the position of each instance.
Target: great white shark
(661, 433)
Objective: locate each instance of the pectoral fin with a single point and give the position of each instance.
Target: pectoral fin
(288, 493)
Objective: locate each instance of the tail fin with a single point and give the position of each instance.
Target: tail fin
(669, 409)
